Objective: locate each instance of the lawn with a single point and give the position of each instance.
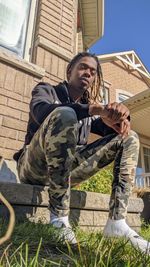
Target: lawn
(35, 245)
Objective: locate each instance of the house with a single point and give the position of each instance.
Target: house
(127, 79)
(36, 44)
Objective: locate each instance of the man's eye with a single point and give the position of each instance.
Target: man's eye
(93, 72)
(82, 67)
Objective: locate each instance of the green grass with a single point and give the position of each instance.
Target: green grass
(36, 245)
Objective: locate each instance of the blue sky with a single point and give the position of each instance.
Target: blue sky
(126, 27)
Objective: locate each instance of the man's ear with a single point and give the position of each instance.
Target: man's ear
(68, 75)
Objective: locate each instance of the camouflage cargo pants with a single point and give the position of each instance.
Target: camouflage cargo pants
(53, 158)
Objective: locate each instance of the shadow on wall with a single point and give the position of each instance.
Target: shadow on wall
(77, 204)
(32, 203)
(8, 171)
(146, 211)
(29, 202)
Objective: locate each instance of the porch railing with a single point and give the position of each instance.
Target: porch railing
(142, 181)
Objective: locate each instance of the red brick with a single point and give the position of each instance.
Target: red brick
(67, 22)
(21, 136)
(68, 5)
(47, 17)
(10, 112)
(14, 124)
(24, 116)
(49, 30)
(29, 87)
(40, 57)
(6, 153)
(10, 143)
(61, 68)
(1, 119)
(10, 94)
(18, 105)
(20, 83)
(26, 99)
(68, 11)
(47, 79)
(52, 6)
(3, 71)
(67, 16)
(66, 46)
(47, 61)
(66, 34)
(7, 132)
(10, 78)
(50, 24)
(49, 37)
(54, 65)
(3, 100)
(51, 12)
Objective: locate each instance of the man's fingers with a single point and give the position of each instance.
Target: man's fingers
(117, 111)
(126, 128)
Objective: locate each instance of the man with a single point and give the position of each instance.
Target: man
(56, 152)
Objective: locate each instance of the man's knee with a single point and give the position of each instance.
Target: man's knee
(65, 115)
(133, 138)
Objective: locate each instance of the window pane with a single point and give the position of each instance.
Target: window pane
(105, 95)
(13, 24)
(123, 97)
(146, 151)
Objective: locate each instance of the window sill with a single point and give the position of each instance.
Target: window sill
(14, 60)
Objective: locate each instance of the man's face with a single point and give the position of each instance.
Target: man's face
(82, 75)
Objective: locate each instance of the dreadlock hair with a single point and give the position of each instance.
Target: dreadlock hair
(93, 94)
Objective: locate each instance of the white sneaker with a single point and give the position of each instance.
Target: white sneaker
(118, 228)
(65, 230)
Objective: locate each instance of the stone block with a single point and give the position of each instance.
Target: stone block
(17, 193)
(81, 217)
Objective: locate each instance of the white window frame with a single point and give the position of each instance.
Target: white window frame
(29, 32)
(106, 101)
(142, 155)
(124, 92)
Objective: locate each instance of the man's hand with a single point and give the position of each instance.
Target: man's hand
(114, 115)
(117, 111)
(122, 128)
(114, 111)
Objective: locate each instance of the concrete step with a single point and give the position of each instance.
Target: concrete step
(88, 210)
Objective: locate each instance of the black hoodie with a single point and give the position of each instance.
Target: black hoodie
(45, 98)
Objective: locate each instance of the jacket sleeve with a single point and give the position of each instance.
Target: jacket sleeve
(100, 128)
(44, 101)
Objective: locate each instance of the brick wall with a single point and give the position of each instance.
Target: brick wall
(15, 91)
(122, 79)
(54, 45)
(57, 22)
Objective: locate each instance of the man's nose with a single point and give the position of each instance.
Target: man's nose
(87, 73)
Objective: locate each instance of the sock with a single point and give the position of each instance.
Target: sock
(58, 221)
(118, 228)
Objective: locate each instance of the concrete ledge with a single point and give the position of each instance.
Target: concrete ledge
(14, 60)
(88, 210)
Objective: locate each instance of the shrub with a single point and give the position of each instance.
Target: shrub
(100, 182)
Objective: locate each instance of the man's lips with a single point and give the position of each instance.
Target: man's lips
(84, 80)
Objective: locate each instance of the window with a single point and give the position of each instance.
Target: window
(122, 97)
(16, 18)
(146, 155)
(105, 95)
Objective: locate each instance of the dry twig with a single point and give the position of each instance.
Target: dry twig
(11, 220)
